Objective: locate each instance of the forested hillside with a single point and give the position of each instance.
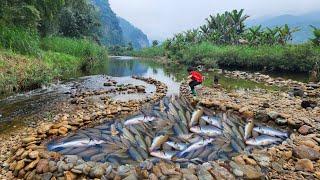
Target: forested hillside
(110, 31)
(133, 35)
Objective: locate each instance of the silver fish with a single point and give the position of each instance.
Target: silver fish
(206, 130)
(270, 131)
(135, 154)
(263, 140)
(163, 154)
(177, 145)
(248, 130)
(195, 116)
(157, 141)
(138, 120)
(196, 145)
(213, 121)
(77, 143)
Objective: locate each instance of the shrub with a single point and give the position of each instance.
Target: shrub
(19, 40)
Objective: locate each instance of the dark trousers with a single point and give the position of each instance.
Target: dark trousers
(193, 83)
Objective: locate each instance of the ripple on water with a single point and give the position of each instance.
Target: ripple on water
(171, 130)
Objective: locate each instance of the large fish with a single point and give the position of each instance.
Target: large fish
(263, 140)
(195, 116)
(248, 129)
(196, 146)
(215, 121)
(158, 141)
(77, 143)
(163, 154)
(138, 120)
(270, 131)
(135, 154)
(206, 130)
(177, 145)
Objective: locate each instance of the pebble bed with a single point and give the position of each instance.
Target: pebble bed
(296, 158)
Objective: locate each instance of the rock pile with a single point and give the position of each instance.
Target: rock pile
(29, 158)
(297, 157)
(298, 88)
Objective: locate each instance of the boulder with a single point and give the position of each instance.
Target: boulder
(304, 165)
(305, 152)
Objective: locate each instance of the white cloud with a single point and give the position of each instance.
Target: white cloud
(160, 19)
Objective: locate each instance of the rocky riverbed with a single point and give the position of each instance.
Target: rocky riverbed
(25, 154)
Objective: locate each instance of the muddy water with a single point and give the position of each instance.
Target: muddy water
(172, 130)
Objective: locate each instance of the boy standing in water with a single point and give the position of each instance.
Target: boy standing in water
(195, 78)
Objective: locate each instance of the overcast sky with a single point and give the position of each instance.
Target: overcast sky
(160, 19)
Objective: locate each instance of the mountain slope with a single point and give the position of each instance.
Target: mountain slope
(111, 32)
(132, 34)
(303, 22)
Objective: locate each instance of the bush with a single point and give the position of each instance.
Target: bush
(19, 40)
(288, 58)
(157, 51)
(74, 47)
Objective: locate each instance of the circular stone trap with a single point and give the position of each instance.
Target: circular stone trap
(172, 130)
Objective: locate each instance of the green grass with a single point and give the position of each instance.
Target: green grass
(150, 52)
(294, 58)
(19, 40)
(74, 47)
(27, 62)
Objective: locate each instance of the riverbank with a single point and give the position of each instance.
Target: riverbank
(290, 58)
(28, 61)
(296, 158)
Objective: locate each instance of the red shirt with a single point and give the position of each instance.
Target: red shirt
(196, 76)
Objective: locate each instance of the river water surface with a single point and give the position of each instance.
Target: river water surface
(25, 107)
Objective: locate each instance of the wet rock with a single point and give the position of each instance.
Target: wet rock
(273, 114)
(46, 176)
(29, 139)
(34, 154)
(70, 176)
(304, 165)
(304, 130)
(32, 164)
(276, 166)
(20, 165)
(123, 170)
(305, 152)
(42, 166)
(281, 121)
(131, 177)
(189, 176)
(52, 166)
(251, 172)
(97, 172)
(71, 159)
(63, 130)
(204, 175)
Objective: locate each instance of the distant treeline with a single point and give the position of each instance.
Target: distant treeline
(225, 40)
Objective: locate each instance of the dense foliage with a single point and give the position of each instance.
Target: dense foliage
(225, 41)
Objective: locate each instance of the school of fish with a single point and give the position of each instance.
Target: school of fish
(171, 130)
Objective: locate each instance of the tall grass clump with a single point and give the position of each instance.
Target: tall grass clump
(74, 47)
(288, 58)
(150, 52)
(19, 40)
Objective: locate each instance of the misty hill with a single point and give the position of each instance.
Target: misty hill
(132, 34)
(115, 30)
(111, 32)
(302, 21)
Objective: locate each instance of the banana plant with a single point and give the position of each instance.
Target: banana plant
(316, 34)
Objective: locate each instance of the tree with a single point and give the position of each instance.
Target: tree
(155, 43)
(130, 46)
(316, 34)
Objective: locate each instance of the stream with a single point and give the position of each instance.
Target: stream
(26, 107)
